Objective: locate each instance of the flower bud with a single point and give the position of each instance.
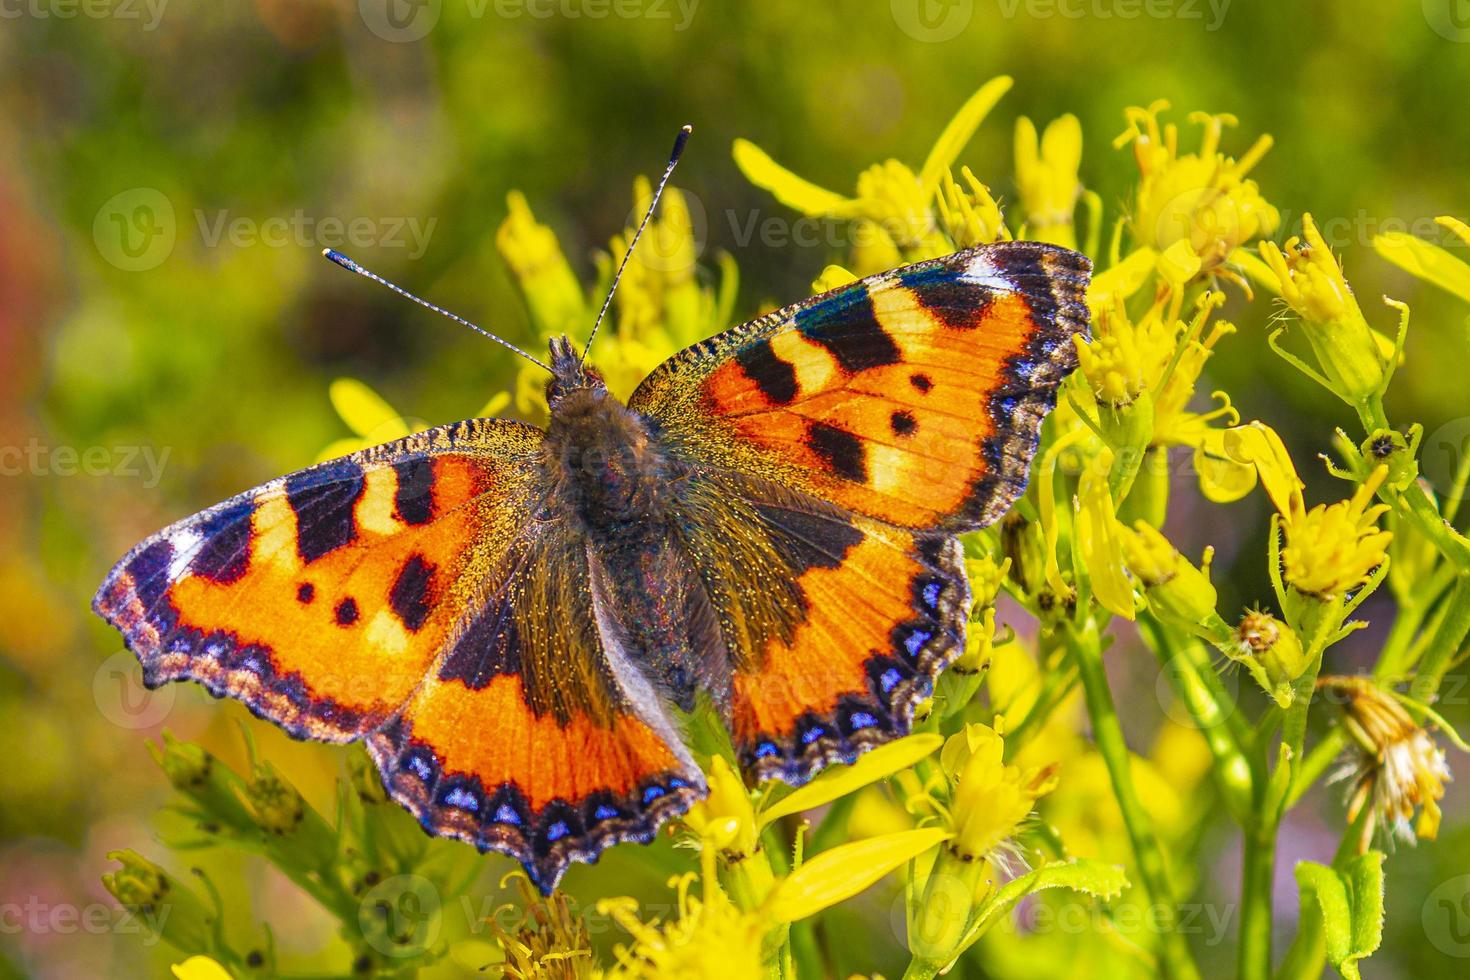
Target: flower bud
(1272, 652)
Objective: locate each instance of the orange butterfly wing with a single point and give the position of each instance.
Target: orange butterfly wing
(914, 397)
(892, 413)
(405, 594)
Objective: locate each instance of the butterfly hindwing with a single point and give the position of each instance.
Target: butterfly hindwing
(841, 622)
(914, 397)
(534, 736)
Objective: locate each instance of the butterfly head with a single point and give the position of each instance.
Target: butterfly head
(568, 373)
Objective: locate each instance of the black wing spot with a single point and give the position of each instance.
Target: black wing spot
(903, 423)
(323, 499)
(775, 378)
(414, 499)
(840, 450)
(225, 553)
(305, 592)
(921, 382)
(347, 612)
(846, 324)
(410, 596)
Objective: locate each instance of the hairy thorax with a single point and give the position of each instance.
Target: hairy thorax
(605, 466)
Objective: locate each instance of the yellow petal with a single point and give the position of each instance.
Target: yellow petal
(494, 406)
(791, 190)
(1102, 551)
(200, 968)
(1122, 280)
(838, 781)
(1179, 263)
(1221, 479)
(1425, 261)
(832, 277)
(363, 409)
(838, 874)
(1258, 444)
(947, 148)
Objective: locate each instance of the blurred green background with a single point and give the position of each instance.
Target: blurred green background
(168, 330)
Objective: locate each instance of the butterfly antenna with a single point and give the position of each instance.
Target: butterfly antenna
(678, 151)
(352, 266)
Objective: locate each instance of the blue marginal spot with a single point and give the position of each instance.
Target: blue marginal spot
(652, 793)
(604, 812)
(766, 749)
(812, 734)
(676, 783)
(505, 813)
(420, 767)
(1008, 405)
(462, 798)
(557, 830)
(931, 594)
(861, 719)
(889, 679)
(915, 642)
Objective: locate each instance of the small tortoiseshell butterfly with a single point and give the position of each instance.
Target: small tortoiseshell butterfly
(507, 615)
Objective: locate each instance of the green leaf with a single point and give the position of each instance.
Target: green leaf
(1350, 903)
(1095, 878)
(838, 781)
(840, 873)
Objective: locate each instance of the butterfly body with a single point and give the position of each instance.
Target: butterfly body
(510, 616)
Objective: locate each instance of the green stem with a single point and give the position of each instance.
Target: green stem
(1445, 644)
(1107, 733)
(1214, 712)
(1257, 875)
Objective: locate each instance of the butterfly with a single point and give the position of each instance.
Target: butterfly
(513, 618)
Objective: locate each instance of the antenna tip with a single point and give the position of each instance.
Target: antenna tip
(686, 129)
(337, 257)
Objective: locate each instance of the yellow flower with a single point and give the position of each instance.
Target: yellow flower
(1177, 592)
(1046, 175)
(1395, 765)
(1272, 653)
(988, 800)
(705, 938)
(1333, 549)
(550, 940)
(725, 820)
(1429, 262)
(1354, 358)
(896, 201)
(1126, 358)
(1193, 209)
(552, 293)
(971, 217)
